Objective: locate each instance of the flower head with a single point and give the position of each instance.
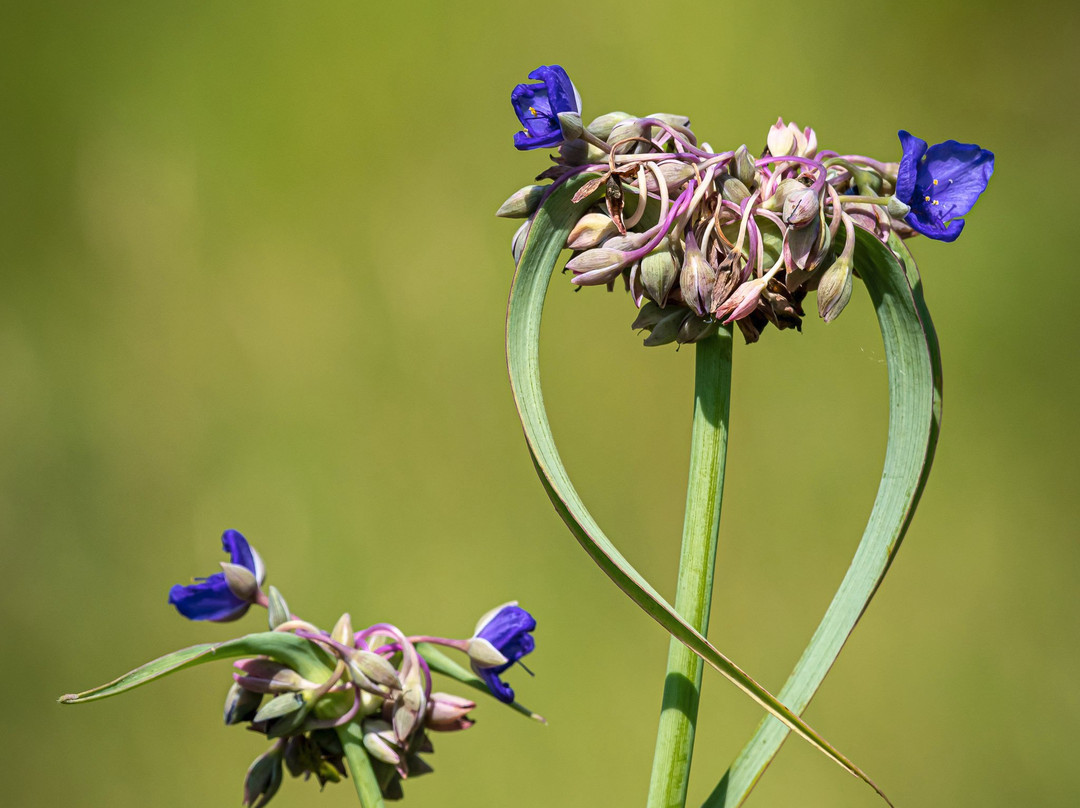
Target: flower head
(941, 183)
(538, 106)
(213, 598)
(508, 629)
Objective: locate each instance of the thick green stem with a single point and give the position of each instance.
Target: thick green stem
(356, 758)
(701, 528)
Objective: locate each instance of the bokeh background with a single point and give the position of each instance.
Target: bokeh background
(251, 279)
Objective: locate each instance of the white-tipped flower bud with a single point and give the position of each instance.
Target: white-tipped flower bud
(659, 271)
(744, 167)
(781, 140)
(602, 126)
(277, 610)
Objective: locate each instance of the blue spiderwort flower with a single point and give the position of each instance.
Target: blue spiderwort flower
(212, 598)
(508, 630)
(538, 106)
(941, 183)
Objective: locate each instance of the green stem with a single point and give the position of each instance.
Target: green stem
(356, 757)
(701, 528)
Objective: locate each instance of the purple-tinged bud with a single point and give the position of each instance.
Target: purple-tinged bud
(800, 244)
(742, 302)
(602, 126)
(409, 706)
(241, 581)
(343, 630)
(570, 123)
(597, 267)
(590, 231)
(449, 713)
(667, 328)
(744, 168)
(674, 121)
(262, 675)
(801, 207)
(263, 779)
(241, 704)
(367, 665)
(732, 188)
(785, 189)
(521, 203)
(659, 271)
(648, 317)
(674, 172)
(627, 243)
(632, 127)
(834, 290)
(696, 278)
(517, 244)
(277, 609)
(379, 741)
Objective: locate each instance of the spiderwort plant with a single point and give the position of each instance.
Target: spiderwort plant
(339, 702)
(705, 240)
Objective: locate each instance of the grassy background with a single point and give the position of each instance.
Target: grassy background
(251, 279)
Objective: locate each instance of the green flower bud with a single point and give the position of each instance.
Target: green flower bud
(366, 665)
(667, 328)
(602, 126)
(834, 290)
(278, 610)
(570, 123)
(521, 203)
(674, 172)
(745, 170)
(241, 704)
(285, 704)
(241, 581)
(379, 741)
(263, 779)
(732, 188)
(694, 328)
(659, 271)
(648, 317)
(896, 208)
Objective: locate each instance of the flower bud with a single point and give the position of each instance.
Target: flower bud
(590, 231)
(745, 170)
(674, 121)
(369, 665)
(674, 172)
(241, 581)
(659, 271)
(285, 704)
(277, 610)
(517, 244)
(241, 704)
(521, 203)
(742, 302)
(448, 713)
(781, 139)
(263, 779)
(834, 290)
(596, 267)
(801, 207)
(262, 675)
(632, 127)
(409, 706)
(732, 188)
(379, 741)
(696, 278)
(601, 127)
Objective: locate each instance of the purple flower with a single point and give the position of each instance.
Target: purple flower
(508, 629)
(538, 107)
(941, 183)
(212, 598)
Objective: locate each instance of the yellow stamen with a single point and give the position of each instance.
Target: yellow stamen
(535, 114)
(935, 182)
(936, 202)
(926, 199)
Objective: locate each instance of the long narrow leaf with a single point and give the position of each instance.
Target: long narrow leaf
(551, 225)
(301, 655)
(356, 758)
(914, 366)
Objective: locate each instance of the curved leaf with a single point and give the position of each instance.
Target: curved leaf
(547, 235)
(914, 366)
(301, 655)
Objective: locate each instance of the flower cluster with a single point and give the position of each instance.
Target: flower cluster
(700, 237)
(377, 678)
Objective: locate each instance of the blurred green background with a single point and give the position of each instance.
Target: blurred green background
(252, 279)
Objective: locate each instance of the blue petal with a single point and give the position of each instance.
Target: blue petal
(208, 600)
(509, 631)
(560, 90)
(499, 689)
(935, 228)
(962, 171)
(240, 552)
(537, 106)
(914, 149)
